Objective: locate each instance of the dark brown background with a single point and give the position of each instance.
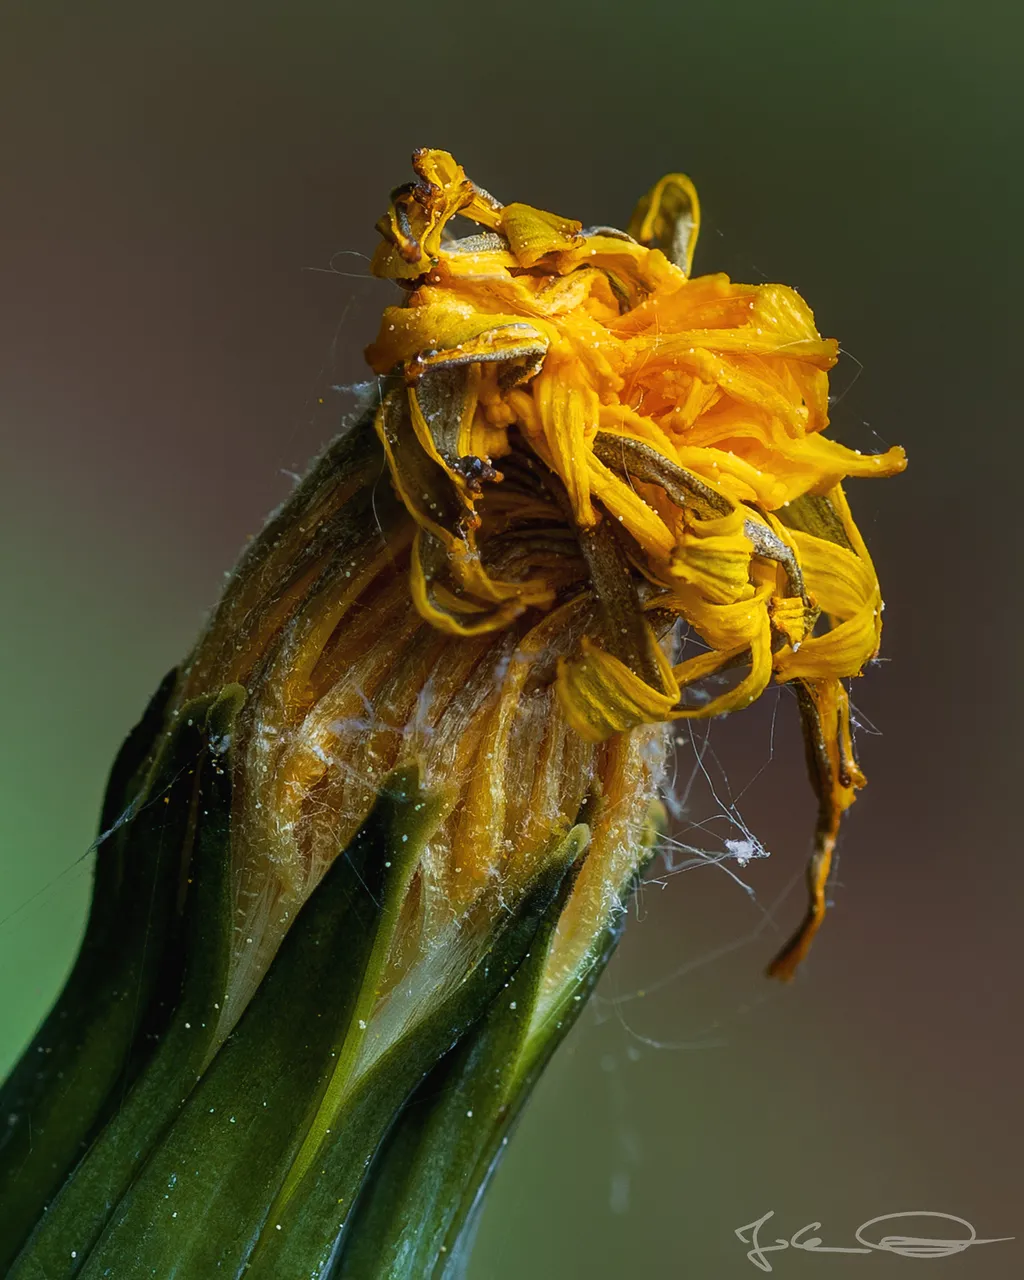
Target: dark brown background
(187, 196)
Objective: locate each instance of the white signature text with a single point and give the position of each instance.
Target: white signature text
(869, 1238)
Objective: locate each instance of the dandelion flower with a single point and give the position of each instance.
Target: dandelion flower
(367, 853)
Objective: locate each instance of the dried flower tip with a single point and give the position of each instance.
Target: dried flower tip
(580, 428)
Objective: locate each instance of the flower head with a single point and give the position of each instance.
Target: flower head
(583, 431)
(370, 847)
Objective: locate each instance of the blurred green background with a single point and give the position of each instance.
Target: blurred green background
(188, 194)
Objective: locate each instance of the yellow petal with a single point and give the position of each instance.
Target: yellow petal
(841, 652)
(714, 556)
(424, 337)
(568, 410)
(413, 225)
(532, 233)
(789, 615)
(669, 214)
(748, 690)
(628, 507)
(602, 696)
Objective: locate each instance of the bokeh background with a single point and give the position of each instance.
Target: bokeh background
(188, 196)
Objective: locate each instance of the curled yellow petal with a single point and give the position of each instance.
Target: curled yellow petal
(789, 615)
(602, 696)
(669, 214)
(746, 691)
(714, 556)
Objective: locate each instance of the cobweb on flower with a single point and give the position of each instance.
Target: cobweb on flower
(707, 785)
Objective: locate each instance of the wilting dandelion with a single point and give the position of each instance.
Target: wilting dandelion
(382, 823)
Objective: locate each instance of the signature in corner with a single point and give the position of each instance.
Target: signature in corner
(904, 1246)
